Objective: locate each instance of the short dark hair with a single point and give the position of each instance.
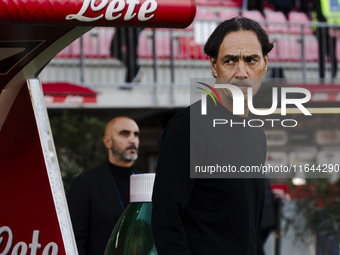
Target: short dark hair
(213, 43)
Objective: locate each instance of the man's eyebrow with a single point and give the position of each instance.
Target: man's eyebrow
(124, 131)
(129, 131)
(252, 56)
(228, 56)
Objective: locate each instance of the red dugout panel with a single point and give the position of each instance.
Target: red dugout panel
(33, 212)
(27, 204)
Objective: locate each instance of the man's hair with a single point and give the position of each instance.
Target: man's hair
(213, 43)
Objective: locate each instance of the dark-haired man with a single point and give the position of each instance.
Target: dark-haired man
(98, 197)
(215, 216)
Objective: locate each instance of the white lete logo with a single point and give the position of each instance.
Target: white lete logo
(21, 247)
(114, 9)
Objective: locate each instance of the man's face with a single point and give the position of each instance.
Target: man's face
(125, 140)
(240, 62)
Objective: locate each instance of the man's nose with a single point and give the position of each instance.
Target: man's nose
(241, 71)
(133, 139)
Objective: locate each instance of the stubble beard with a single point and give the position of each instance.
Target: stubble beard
(123, 154)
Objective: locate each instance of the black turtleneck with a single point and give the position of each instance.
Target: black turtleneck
(122, 178)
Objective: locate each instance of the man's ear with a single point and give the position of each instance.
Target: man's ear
(213, 66)
(265, 65)
(107, 142)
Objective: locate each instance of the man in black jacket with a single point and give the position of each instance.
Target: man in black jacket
(98, 197)
(214, 215)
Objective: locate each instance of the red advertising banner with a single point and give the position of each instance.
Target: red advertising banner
(325, 96)
(145, 13)
(68, 94)
(322, 92)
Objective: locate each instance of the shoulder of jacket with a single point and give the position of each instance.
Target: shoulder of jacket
(92, 172)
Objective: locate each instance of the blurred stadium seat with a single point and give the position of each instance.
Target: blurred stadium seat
(227, 14)
(288, 50)
(273, 54)
(253, 14)
(273, 17)
(163, 45)
(207, 2)
(89, 46)
(311, 50)
(204, 25)
(231, 3)
(214, 3)
(105, 36)
(89, 49)
(74, 51)
(189, 49)
(206, 14)
(301, 18)
(144, 46)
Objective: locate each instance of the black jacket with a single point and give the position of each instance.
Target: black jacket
(94, 207)
(207, 216)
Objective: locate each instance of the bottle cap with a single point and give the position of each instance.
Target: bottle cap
(141, 186)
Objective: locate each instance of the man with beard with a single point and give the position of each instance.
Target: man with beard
(98, 197)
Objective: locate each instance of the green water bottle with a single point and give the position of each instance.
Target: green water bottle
(132, 234)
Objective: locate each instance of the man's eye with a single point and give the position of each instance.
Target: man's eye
(252, 60)
(229, 61)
